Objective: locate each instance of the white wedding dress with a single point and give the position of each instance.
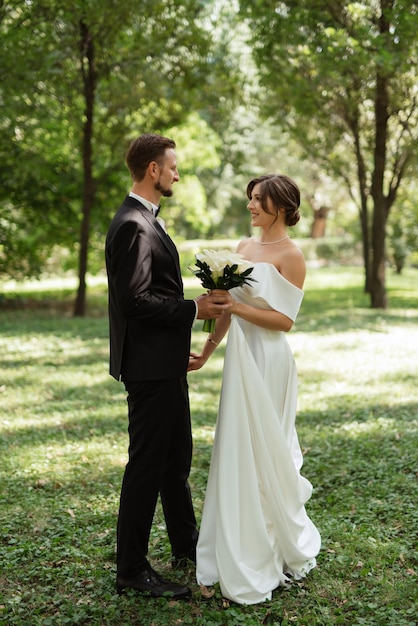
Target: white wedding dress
(255, 529)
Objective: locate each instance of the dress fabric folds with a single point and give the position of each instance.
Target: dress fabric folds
(255, 529)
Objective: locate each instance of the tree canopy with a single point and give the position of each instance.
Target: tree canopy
(325, 88)
(89, 77)
(342, 77)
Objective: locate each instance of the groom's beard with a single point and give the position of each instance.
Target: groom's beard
(167, 192)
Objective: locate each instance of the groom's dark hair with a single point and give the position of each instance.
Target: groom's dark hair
(144, 150)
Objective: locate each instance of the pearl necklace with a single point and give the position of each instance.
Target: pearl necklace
(268, 243)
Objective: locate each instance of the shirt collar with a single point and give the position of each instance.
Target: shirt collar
(147, 203)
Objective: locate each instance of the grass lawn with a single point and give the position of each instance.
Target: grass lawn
(63, 449)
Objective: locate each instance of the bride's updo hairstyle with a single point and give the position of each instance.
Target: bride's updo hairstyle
(283, 193)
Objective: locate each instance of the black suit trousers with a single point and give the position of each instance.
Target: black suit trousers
(160, 452)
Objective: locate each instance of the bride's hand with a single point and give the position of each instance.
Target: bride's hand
(196, 361)
(229, 301)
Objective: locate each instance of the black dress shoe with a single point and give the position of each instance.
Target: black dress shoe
(149, 581)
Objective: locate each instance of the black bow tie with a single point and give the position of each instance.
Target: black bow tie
(157, 210)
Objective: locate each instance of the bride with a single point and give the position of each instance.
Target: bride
(255, 533)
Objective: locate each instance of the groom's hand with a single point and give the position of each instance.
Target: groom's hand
(211, 305)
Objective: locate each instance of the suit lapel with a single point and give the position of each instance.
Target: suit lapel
(164, 237)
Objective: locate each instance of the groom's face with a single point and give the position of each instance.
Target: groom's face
(168, 174)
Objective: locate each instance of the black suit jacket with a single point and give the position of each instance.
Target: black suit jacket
(149, 319)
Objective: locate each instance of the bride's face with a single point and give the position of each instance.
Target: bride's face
(258, 216)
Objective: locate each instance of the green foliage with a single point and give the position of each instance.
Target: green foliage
(403, 230)
(63, 449)
(342, 78)
(338, 250)
(78, 80)
(198, 153)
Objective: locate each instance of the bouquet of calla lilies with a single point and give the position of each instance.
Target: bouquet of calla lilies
(221, 269)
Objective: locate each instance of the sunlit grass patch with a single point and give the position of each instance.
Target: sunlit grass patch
(63, 448)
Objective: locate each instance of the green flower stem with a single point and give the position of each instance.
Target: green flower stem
(209, 326)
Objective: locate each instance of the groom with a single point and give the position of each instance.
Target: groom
(150, 329)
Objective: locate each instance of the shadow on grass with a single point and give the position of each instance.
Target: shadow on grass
(58, 536)
(47, 322)
(62, 472)
(405, 414)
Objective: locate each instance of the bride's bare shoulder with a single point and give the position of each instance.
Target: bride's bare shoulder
(292, 265)
(245, 245)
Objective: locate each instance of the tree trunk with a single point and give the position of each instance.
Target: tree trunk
(353, 122)
(378, 294)
(319, 222)
(378, 271)
(364, 223)
(89, 80)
